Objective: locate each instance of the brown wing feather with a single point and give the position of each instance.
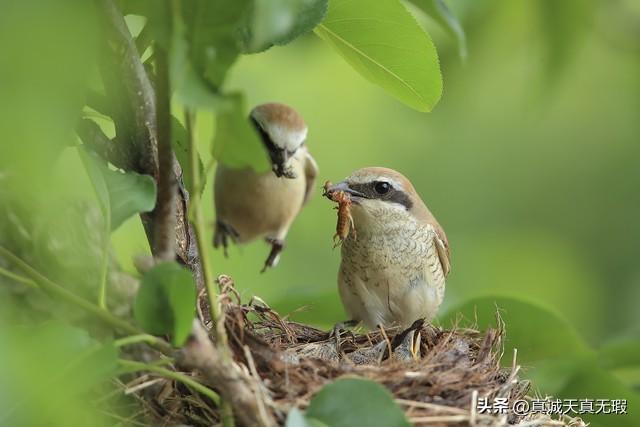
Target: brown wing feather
(442, 245)
(310, 172)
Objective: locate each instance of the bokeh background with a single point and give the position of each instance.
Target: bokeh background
(531, 160)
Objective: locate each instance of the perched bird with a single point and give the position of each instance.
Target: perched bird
(252, 205)
(393, 269)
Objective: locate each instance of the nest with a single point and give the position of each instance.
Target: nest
(438, 384)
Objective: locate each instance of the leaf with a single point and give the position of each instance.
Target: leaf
(236, 143)
(296, 418)
(211, 30)
(120, 194)
(382, 41)
(440, 12)
(356, 402)
(180, 144)
(622, 352)
(278, 22)
(581, 377)
(165, 304)
(190, 87)
(536, 331)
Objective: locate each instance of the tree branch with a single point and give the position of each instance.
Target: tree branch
(235, 384)
(165, 213)
(136, 126)
(112, 151)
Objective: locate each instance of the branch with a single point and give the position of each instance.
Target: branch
(135, 121)
(113, 152)
(235, 384)
(165, 213)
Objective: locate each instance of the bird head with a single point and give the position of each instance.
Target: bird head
(283, 132)
(380, 196)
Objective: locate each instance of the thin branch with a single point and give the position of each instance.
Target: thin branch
(199, 226)
(186, 380)
(115, 153)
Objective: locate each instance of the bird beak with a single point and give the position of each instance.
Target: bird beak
(343, 186)
(280, 167)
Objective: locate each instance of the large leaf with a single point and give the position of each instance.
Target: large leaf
(211, 31)
(535, 330)
(356, 402)
(582, 378)
(236, 143)
(383, 42)
(621, 352)
(120, 194)
(440, 12)
(165, 303)
(278, 22)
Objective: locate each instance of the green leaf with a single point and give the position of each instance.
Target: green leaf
(383, 42)
(120, 194)
(190, 87)
(211, 30)
(180, 144)
(535, 330)
(278, 22)
(580, 378)
(623, 352)
(165, 303)
(356, 402)
(236, 143)
(296, 418)
(440, 12)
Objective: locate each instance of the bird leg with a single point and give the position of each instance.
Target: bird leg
(222, 234)
(338, 327)
(277, 245)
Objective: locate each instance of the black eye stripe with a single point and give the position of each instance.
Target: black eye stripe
(393, 195)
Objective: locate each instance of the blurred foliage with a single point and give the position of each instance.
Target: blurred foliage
(535, 183)
(165, 304)
(370, 404)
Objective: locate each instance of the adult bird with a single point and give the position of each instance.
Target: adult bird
(252, 205)
(393, 269)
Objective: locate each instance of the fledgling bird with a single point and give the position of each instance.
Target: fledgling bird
(252, 205)
(393, 269)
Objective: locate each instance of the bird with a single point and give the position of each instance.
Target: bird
(393, 270)
(251, 205)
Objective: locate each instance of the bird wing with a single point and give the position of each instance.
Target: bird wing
(310, 173)
(442, 246)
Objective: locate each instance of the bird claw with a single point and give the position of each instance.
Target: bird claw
(222, 234)
(277, 246)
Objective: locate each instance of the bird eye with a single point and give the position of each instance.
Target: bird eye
(382, 187)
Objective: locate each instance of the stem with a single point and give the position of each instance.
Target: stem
(198, 222)
(54, 288)
(104, 268)
(18, 278)
(199, 228)
(186, 380)
(135, 339)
